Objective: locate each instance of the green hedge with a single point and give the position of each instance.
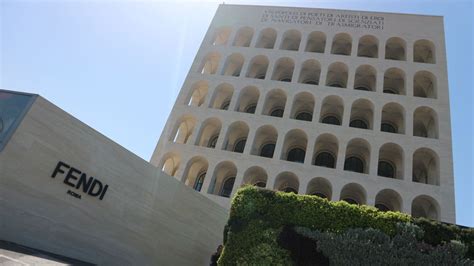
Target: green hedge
(257, 217)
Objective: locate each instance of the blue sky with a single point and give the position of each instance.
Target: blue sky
(118, 65)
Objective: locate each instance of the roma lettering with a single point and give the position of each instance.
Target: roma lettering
(80, 181)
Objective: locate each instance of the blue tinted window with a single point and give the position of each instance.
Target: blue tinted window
(12, 108)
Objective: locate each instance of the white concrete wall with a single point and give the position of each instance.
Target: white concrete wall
(410, 28)
(145, 217)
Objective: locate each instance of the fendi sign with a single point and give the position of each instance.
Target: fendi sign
(79, 180)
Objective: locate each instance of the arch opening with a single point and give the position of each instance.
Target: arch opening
(310, 72)
(341, 44)
(264, 141)
(395, 49)
(425, 167)
(209, 133)
(326, 148)
(337, 75)
(236, 137)
(316, 42)
(303, 106)
(243, 37)
(275, 102)
(357, 156)
(353, 193)
(368, 46)
(266, 38)
(291, 40)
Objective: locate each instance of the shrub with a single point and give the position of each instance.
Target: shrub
(257, 217)
(373, 247)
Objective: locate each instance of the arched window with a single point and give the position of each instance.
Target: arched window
(424, 52)
(354, 164)
(354, 194)
(209, 133)
(267, 150)
(183, 129)
(256, 176)
(388, 127)
(357, 156)
(388, 200)
(243, 37)
(264, 141)
(303, 106)
(316, 42)
(247, 101)
(320, 187)
(223, 179)
(199, 181)
(258, 67)
(395, 49)
(386, 169)
(227, 187)
(233, 65)
(325, 159)
(425, 123)
(197, 94)
(236, 136)
(250, 109)
(291, 40)
(331, 120)
(425, 206)
(296, 155)
(365, 78)
(337, 75)
(283, 70)
(332, 110)
(294, 147)
(222, 96)
(424, 85)
(275, 102)
(210, 63)
(310, 72)
(325, 151)
(240, 145)
(212, 141)
(362, 114)
(425, 167)
(195, 172)
(287, 182)
(394, 81)
(358, 123)
(266, 39)
(170, 163)
(221, 36)
(393, 118)
(341, 44)
(277, 111)
(368, 46)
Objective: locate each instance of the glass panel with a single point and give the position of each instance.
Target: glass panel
(296, 155)
(251, 109)
(277, 112)
(354, 164)
(227, 187)
(332, 120)
(305, 116)
(388, 128)
(199, 182)
(267, 150)
(386, 169)
(12, 108)
(212, 142)
(240, 145)
(358, 124)
(325, 159)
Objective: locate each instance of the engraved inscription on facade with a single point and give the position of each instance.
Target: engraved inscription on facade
(323, 18)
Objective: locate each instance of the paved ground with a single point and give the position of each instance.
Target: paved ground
(14, 254)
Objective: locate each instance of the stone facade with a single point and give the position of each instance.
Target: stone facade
(354, 105)
(144, 217)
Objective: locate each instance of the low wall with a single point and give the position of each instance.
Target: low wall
(67, 189)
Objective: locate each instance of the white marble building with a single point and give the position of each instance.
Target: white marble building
(343, 104)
